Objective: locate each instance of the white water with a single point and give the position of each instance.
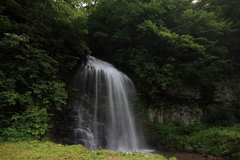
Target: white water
(102, 108)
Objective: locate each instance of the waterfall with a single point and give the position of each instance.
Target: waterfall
(102, 108)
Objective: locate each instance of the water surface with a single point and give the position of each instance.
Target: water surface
(187, 156)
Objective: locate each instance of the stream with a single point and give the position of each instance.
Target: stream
(187, 156)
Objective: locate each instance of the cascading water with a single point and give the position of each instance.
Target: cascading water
(102, 110)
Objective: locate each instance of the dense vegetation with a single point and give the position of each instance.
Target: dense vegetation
(195, 138)
(163, 45)
(41, 42)
(168, 45)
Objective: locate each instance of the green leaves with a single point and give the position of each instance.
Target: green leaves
(30, 80)
(161, 44)
(199, 23)
(13, 40)
(30, 124)
(40, 43)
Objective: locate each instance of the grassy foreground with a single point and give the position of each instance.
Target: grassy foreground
(49, 151)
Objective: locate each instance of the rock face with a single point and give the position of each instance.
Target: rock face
(187, 114)
(224, 93)
(185, 103)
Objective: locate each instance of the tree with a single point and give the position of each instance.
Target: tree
(40, 42)
(227, 11)
(139, 36)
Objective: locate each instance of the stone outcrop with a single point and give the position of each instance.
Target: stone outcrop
(183, 103)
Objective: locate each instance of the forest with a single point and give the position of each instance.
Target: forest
(177, 52)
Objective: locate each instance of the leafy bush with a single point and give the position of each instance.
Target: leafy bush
(30, 124)
(216, 141)
(222, 142)
(161, 134)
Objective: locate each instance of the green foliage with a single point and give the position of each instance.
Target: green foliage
(161, 44)
(227, 12)
(40, 43)
(162, 134)
(199, 23)
(21, 82)
(30, 124)
(222, 142)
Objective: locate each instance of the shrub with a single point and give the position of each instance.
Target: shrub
(222, 142)
(30, 124)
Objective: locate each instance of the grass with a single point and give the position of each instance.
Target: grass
(50, 151)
